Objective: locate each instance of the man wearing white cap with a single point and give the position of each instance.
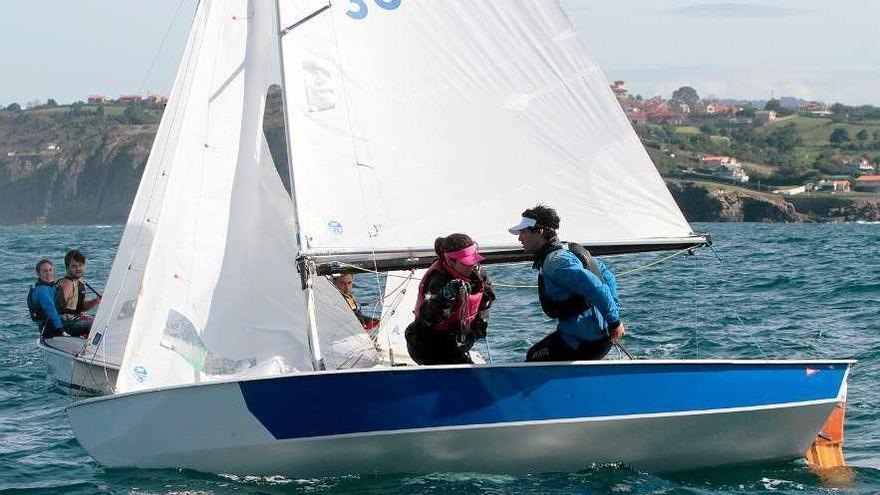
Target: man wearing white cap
(574, 288)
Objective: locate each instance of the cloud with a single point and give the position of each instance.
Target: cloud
(732, 11)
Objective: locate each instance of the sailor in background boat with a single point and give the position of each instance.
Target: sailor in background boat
(452, 308)
(345, 285)
(574, 288)
(41, 301)
(71, 296)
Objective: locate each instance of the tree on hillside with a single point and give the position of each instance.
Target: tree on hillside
(862, 135)
(76, 109)
(773, 105)
(709, 129)
(828, 163)
(839, 113)
(839, 136)
(687, 95)
(51, 102)
(134, 113)
(14, 107)
(877, 135)
(785, 138)
(790, 173)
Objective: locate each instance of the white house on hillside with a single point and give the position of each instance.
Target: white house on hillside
(731, 171)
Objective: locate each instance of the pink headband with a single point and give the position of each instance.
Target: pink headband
(469, 255)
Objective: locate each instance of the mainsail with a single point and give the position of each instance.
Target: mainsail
(412, 119)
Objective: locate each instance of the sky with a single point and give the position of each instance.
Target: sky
(811, 49)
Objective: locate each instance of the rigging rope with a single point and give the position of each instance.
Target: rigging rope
(354, 151)
(736, 315)
(694, 318)
(159, 50)
(621, 274)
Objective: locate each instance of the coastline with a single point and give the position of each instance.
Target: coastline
(703, 204)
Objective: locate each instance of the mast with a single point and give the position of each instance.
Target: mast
(306, 269)
(307, 272)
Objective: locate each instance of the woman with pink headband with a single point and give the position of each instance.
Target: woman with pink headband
(452, 309)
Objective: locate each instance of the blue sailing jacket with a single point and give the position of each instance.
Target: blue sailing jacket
(44, 297)
(565, 275)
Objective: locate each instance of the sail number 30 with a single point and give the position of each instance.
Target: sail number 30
(359, 7)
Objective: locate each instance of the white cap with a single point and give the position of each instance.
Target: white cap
(524, 223)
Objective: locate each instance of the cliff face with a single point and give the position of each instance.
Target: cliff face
(62, 166)
(702, 205)
(699, 204)
(88, 181)
(838, 210)
(77, 166)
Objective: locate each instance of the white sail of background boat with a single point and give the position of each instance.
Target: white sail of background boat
(405, 119)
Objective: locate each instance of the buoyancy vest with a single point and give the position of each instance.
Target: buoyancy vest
(38, 314)
(367, 322)
(73, 307)
(352, 304)
(463, 310)
(575, 303)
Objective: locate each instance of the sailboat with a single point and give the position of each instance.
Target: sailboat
(405, 120)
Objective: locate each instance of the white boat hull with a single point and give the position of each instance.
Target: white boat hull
(76, 375)
(219, 428)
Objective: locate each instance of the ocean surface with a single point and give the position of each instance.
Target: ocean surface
(773, 290)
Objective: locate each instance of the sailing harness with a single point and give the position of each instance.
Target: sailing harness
(575, 304)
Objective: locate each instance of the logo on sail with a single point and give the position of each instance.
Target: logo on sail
(139, 373)
(335, 227)
(320, 92)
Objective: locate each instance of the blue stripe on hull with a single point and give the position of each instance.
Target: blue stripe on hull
(344, 403)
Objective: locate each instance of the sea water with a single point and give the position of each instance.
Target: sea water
(780, 291)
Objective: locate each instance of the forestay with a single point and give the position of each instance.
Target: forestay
(411, 119)
(220, 297)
